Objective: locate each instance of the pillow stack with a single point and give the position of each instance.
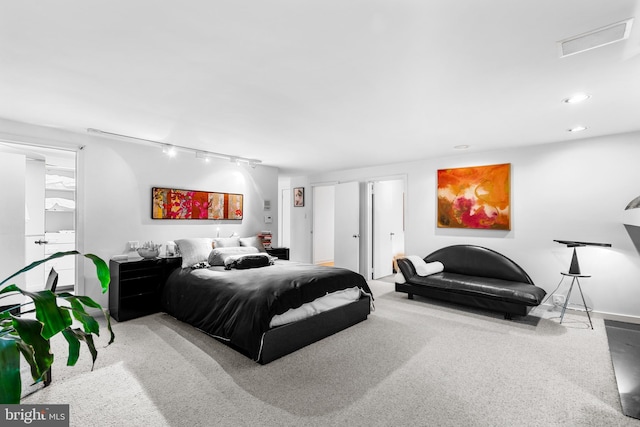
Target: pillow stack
(247, 252)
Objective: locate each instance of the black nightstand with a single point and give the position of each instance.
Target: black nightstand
(135, 286)
(280, 253)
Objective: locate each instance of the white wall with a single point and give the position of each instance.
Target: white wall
(569, 191)
(114, 193)
(300, 219)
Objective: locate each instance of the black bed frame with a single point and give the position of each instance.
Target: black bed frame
(288, 338)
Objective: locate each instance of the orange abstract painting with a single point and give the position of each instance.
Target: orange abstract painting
(475, 197)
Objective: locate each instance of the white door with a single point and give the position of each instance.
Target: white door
(34, 239)
(347, 226)
(12, 220)
(388, 225)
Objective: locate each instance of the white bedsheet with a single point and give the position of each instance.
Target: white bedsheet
(325, 303)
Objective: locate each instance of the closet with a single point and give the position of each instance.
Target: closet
(60, 208)
(49, 213)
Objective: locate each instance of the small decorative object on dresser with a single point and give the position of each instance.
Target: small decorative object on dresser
(149, 250)
(135, 286)
(265, 236)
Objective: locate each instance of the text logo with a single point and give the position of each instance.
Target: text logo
(35, 415)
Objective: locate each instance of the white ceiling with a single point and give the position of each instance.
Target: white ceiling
(319, 85)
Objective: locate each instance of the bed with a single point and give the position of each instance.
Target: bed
(263, 307)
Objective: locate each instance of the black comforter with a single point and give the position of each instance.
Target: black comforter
(237, 305)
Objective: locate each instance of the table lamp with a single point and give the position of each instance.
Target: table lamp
(574, 268)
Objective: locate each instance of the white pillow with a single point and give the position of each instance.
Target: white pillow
(254, 241)
(425, 268)
(226, 242)
(218, 255)
(194, 250)
(399, 278)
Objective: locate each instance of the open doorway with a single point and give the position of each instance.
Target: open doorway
(49, 212)
(386, 231)
(323, 224)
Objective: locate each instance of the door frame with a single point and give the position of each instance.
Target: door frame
(39, 147)
(314, 212)
(369, 216)
(366, 215)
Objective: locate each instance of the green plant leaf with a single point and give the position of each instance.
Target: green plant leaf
(102, 271)
(91, 303)
(10, 288)
(108, 317)
(82, 298)
(88, 322)
(79, 334)
(30, 331)
(10, 382)
(37, 263)
(53, 318)
(74, 346)
(29, 356)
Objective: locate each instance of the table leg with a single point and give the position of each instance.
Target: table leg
(566, 301)
(584, 303)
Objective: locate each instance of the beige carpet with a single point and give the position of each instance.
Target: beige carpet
(412, 363)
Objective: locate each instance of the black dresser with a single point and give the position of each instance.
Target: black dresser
(136, 284)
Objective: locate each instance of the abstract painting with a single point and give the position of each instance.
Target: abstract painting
(475, 197)
(170, 203)
(298, 197)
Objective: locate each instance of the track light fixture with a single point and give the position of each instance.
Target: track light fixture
(171, 149)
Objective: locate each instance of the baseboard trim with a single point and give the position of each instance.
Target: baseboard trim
(620, 317)
(600, 314)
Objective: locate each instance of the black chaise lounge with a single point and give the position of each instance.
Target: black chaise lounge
(475, 276)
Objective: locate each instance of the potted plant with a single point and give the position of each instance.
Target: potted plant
(31, 337)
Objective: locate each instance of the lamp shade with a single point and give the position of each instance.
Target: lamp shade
(631, 214)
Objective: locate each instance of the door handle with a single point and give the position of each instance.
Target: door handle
(40, 242)
(355, 236)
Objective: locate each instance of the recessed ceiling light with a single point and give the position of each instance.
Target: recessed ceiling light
(577, 129)
(578, 97)
(461, 147)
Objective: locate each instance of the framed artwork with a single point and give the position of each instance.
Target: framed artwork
(475, 197)
(298, 196)
(171, 203)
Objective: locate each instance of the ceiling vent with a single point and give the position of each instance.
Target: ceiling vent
(596, 38)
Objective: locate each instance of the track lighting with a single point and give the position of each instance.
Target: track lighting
(171, 149)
